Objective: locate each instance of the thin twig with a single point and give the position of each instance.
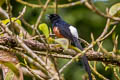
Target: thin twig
(9, 11)
(98, 74)
(3, 13)
(115, 74)
(56, 68)
(26, 23)
(91, 6)
(61, 70)
(40, 16)
(56, 6)
(105, 29)
(39, 77)
(50, 6)
(21, 14)
(108, 33)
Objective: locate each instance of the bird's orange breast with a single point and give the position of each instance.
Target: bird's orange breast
(57, 32)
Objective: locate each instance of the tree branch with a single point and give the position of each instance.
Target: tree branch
(37, 46)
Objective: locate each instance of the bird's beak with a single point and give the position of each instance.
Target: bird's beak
(48, 15)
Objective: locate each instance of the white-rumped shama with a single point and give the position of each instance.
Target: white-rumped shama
(65, 30)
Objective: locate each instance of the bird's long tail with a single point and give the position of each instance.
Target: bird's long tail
(84, 58)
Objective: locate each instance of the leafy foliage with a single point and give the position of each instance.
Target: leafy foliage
(44, 28)
(11, 66)
(13, 19)
(115, 10)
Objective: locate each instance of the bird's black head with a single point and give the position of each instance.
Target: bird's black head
(53, 17)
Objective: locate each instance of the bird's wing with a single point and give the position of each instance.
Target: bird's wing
(65, 31)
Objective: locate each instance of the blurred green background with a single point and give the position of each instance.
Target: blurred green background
(85, 20)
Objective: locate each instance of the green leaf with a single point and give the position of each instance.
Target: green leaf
(13, 19)
(25, 61)
(9, 75)
(17, 21)
(50, 30)
(113, 35)
(115, 10)
(50, 40)
(63, 42)
(5, 21)
(106, 68)
(44, 28)
(11, 66)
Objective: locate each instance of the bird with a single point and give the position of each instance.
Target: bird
(64, 30)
